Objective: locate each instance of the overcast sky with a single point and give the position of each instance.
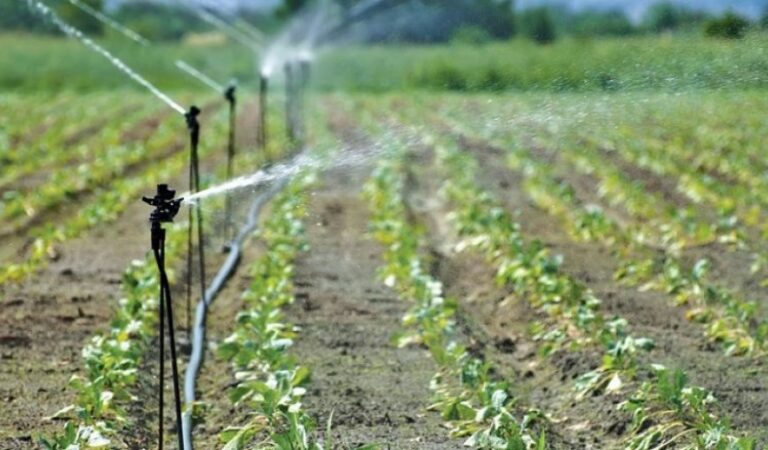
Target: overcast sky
(634, 8)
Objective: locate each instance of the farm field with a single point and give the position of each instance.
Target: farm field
(563, 271)
(533, 239)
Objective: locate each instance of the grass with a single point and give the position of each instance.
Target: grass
(51, 64)
(649, 62)
(674, 62)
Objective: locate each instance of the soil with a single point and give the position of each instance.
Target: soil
(374, 392)
(371, 391)
(46, 320)
(679, 343)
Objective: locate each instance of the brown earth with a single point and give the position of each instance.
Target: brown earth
(47, 319)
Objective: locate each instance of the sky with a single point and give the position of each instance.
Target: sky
(635, 8)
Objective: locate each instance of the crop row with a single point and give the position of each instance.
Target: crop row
(68, 147)
(112, 359)
(572, 311)
(467, 396)
(105, 205)
(648, 249)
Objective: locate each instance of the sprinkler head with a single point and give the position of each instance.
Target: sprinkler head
(166, 207)
(191, 117)
(229, 93)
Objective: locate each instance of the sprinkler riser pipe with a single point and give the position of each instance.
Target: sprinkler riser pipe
(262, 130)
(165, 210)
(289, 102)
(231, 97)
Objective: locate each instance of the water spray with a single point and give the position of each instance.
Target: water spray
(236, 34)
(255, 34)
(71, 31)
(101, 17)
(165, 210)
(194, 186)
(200, 76)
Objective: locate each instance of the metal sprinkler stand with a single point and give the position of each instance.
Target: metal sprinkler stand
(290, 103)
(305, 71)
(230, 96)
(194, 186)
(165, 210)
(262, 131)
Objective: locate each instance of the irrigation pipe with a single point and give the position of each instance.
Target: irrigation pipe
(225, 272)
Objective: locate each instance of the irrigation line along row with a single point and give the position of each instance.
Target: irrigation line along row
(225, 272)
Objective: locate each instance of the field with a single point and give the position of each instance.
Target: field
(530, 264)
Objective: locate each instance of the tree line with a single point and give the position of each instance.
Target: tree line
(424, 21)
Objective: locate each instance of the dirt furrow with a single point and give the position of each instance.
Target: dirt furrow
(374, 392)
(679, 343)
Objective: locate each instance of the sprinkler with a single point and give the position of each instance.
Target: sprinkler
(194, 186)
(230, 96)
(165, 210)
(305, 71)
(262, 129)
(289, 103)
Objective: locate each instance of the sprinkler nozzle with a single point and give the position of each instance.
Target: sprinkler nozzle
(191, 117)
(229, 93)
(166, 207)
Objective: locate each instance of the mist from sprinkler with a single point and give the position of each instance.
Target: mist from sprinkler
(347, 157)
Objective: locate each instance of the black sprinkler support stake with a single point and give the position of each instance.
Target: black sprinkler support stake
(230, 96)
(194, 186)
(165, 210)
(262, 131)
(290, 124)
(304, 68)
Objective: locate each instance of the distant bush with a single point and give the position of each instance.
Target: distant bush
(537, 24)
(729, 26)
(665, 16)
(158, 22)
(471, 34)
(599, 23)
(445, 76)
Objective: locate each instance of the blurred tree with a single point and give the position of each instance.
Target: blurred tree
(538, 24)
(290, 7)
(422, 20)
(80, 19)
(17, 16)
(730, 25)
(666, 16)
(764, 18)
(158, 22)
(599, 23)
(662, 16)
